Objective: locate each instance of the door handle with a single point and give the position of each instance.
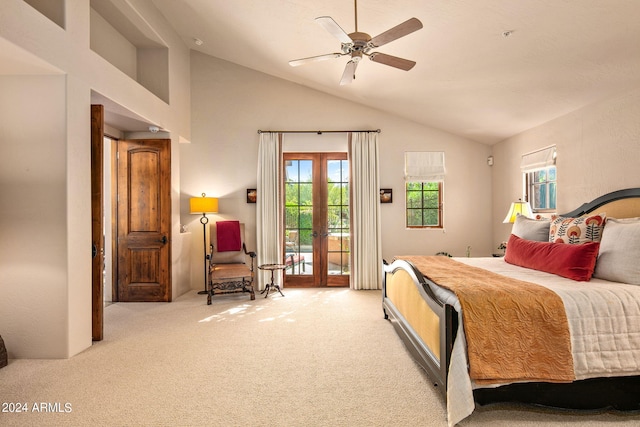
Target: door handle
(94, 250)
(163, 240)
(314, 234)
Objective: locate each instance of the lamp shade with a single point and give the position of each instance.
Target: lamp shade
(519, 207)
(202, 205)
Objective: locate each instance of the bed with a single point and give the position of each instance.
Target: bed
(564, 313)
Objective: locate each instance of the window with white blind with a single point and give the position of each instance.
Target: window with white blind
(424, 173)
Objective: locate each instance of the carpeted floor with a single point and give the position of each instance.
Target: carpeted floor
(315, 357)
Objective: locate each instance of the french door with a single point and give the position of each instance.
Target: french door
(317, 220)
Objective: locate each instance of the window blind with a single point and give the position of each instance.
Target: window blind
(424, 166)
(538, 159)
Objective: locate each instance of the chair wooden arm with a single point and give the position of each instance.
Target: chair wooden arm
(251, 254)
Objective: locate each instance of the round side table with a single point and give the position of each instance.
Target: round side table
(272, 285)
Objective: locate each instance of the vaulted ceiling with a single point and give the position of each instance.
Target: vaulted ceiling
(486, 69)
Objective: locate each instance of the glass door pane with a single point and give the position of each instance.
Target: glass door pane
(338, 220)
(299, 216)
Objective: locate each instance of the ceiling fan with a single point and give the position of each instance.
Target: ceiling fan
(357, 44)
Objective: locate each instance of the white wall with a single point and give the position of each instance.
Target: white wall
(230, 103)
(598, 150)
(467, 193)
(45, 293)
(33, 225)
(112, 45)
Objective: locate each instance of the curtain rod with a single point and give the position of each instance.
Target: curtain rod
(319, 132)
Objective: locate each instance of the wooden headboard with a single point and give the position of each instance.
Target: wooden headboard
(617, 204)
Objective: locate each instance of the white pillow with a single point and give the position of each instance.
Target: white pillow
(619, 255)
(531, 229)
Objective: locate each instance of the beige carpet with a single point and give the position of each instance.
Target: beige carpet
(313, 358)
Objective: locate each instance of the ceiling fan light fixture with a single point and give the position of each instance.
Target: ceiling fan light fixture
(346, 48)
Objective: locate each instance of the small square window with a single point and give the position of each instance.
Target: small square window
(424, 204)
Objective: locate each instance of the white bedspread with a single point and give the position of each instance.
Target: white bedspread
(604, 323)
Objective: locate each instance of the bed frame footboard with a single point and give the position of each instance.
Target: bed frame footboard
(426, 325)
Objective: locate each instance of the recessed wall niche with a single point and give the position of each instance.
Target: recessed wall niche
(52, 9)
(120, 36)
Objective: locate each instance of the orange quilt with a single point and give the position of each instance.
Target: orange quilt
(515, 330)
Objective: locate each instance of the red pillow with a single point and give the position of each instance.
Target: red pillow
(575, 262)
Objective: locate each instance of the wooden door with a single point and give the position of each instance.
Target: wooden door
(97, 218)
(144, 221)
(317, 226)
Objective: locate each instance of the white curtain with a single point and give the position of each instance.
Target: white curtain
(268, 206)
(366, 248)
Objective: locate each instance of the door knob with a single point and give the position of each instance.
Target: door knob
(163, 240)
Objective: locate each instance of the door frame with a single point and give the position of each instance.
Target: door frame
(320, 276)
(97, 225)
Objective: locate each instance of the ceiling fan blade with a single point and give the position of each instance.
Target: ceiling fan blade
(332, 27)
(349, 73)
(302, 61)
(407, 27)
(393, 61)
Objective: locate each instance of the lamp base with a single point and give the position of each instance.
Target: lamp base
(204, 220)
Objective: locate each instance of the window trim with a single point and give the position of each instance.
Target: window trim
(534, 161)
(440, 225)
(528, 187)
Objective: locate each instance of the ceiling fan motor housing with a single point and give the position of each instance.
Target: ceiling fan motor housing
(360, 43)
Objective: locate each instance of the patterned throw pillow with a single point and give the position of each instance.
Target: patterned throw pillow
(577, 230)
